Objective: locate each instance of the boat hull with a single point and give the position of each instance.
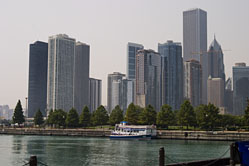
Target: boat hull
(130, 137)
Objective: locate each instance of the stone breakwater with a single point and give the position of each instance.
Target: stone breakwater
(161, 134)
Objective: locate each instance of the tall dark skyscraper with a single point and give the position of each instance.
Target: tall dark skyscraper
(81, 76)
(38, 66)
(195, 42)
(172, 74)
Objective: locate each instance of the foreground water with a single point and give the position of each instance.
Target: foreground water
(80, 151)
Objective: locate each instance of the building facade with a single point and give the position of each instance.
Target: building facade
(215, 61)
(38, 66)
(216, 92)
(240, 88)
(95, 93)
(132, 49)
(115, 90)
(172, 73)
(195, 42)
(193, 82)
(61, 56)
(81, 76)
(229, 96)
(148, 79)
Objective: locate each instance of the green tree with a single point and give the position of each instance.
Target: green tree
(85, 117)
(207, 116)
(148, 115)
(72, 119)
(100, 116)
(132, 114)
(58, 118)
(38, 118)
(18, 116)
(165, 117)
(246, 115)
(49, 119)
(186, 115)
(116, 116)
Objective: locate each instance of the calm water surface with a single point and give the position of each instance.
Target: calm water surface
(80, 151)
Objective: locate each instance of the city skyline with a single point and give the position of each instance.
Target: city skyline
(112, 55)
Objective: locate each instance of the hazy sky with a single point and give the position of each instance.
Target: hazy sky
(107, 26)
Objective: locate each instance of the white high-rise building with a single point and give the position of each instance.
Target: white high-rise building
(195, 42)
(61, 51)
(68, 74)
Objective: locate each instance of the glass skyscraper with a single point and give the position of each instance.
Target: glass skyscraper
(132, 49)
(172, 74)
(38, 66)
(240, 88)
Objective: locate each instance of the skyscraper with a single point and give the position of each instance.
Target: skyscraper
(172, 74)
(215, 61)
(38, 66)
(115, 91)
(148, 79)
(95, 92)
(61, 56)
(240, 88)
(132, 49)
(68, 74)
(195, 42)
(216, 92)
(193, 82)
(81, 76)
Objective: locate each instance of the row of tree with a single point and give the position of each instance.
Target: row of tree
(204, 116)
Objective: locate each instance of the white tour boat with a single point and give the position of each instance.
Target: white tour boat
(124, 131)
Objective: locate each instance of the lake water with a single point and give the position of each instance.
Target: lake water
(82, 151)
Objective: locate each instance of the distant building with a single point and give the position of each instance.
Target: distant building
(95, 92)
(128, 93)
(216, 91)
(193, 82)
(240, 88)
(215, 61)
(38, 66)
(229, 96)
(148, 79)
(195, 42)
(132, 49)
(68, 74)
(6, 112)
(115, 90)
(172, 74)
(81, 76)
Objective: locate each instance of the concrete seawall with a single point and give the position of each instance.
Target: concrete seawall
(204, 135)
(161, 134)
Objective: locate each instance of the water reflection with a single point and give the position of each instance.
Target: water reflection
(79, 151)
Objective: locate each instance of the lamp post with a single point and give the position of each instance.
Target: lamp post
(26, 111)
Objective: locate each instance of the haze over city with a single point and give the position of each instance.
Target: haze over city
(107, 26)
